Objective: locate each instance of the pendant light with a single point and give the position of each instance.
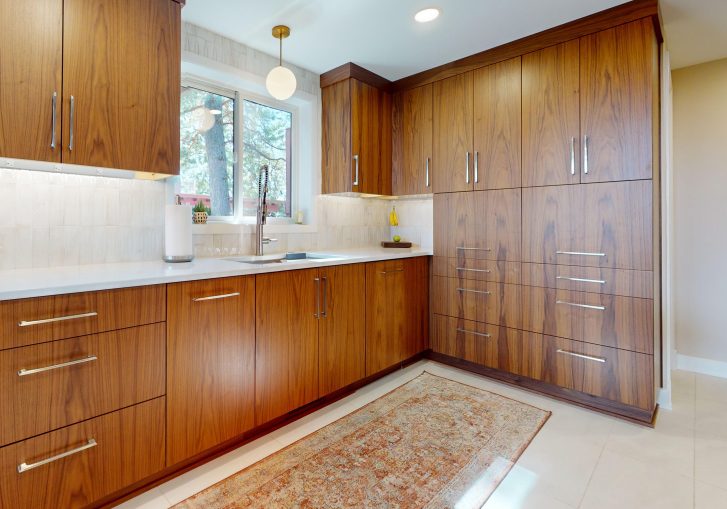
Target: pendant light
(281, 81)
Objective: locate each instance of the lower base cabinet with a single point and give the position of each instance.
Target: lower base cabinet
(79, 464)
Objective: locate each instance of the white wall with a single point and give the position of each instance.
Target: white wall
(700, 213)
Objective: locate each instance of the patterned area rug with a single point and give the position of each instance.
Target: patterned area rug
(430, 443)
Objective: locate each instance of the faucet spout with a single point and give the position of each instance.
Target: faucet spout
(262, 208)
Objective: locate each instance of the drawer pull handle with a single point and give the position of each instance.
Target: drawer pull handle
(26, 372)
(481, 292)
(585, 306)
(215, 297)
(28, 323)
(581, 356)
(385, 272)
(579, 253)
(481, 334)
(24, 467)
(474, 270)
(581, 280)
(460, 248)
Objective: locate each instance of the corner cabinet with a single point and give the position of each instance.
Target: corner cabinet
(91, 82)
(356, 138)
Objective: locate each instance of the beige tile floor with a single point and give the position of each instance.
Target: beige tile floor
(580, 459)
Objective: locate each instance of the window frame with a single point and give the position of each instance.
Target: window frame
(240, 95)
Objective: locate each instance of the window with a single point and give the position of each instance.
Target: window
(210, 122)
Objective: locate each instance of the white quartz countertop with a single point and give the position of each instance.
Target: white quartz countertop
(23, 283)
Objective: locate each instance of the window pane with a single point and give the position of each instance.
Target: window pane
(266, 139)
(207, 125)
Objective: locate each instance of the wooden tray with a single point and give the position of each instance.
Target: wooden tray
(388, 243)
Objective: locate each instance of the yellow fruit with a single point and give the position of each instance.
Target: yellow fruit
(393, 218)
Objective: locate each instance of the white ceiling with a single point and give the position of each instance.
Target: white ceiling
(382, 36)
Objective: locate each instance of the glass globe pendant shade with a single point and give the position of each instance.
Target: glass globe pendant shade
(281, 83)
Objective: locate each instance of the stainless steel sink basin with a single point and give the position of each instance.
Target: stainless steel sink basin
(283, 258)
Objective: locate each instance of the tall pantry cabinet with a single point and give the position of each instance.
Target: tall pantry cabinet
(546, 218)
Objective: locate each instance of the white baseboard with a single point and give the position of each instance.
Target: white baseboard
(703, 366)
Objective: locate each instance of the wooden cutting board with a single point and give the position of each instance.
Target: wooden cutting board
(388, 243)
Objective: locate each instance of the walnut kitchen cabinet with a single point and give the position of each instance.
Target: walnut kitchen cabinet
(397, 304)
(210, 363)
(412, 141)
(356, 138)
(91, 82)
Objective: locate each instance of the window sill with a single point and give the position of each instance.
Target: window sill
(222, 228)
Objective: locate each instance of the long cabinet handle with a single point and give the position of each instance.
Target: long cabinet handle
(385, 272)
(477, 169)
(481, 334)
(572, 155)
(28, 323)
(480, 292)
(581, 356)
(426, 175)
(460, 248)
(215, 297)
(581, 280)
(26, 372)
(585, 306)
(54, 100)
(355, 162)
(324, 290)
(24, 467)
(579, 253)
(71, 122)
(467, 168)
(585, 154)
(487, 271)
(317, 281)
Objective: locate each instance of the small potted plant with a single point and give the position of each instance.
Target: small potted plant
(200, 213)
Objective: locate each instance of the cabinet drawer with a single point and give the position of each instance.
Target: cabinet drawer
(58, 383)
(481, 270)
(629, 283)
(30, 321)
(610, 373)
(481, 301)
(487, 345)
(608, 320)
(102, 455)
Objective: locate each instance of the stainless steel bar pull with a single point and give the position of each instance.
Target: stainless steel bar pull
(71, 122)
(215, 297)
(581, 356)
(579, 253)
(26, 372)
(467, 168)
(54, 100)
(355, 163)
(426, 175)
(462, 248)
(572, 155)
(585, 154)
(317, 314)
(585, 306)
(385, 272)
(581, 280)
(324, 289)
(486, 271)
(28, 323)
(24, 467)
(477, 169)
(481, 334)
(481, 292)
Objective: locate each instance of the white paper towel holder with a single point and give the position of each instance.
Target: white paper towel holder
(178, 258)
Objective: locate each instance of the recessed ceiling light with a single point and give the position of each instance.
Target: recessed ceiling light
(426, 15)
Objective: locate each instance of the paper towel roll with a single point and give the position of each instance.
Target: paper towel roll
(178, 234)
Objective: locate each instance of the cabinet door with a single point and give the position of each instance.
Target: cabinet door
(121, 65)
(370, 139)
(286, 357)
(454, 225)
(619, 90)
(452, 131)
(412, 135)
(497, 224)
(210, 363)
(337, 176)
(31, 46)
(341, 331)
(385, 314)
(551, 122)
(416, 294)
(497, 121)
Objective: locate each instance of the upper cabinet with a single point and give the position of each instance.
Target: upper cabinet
(356, 137)
(589, 108)
(91, 82)
(412, 141)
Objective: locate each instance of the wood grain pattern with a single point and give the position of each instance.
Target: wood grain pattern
(121, 62)
(454, 220)
(371, 138)
(412, 141)
(130, 448)
(609, 18)
(616, 102)
(497, 125)
(624, 322)
(417, 283)
(351, 70)
(130, 369)
(480, 301)
(31, 45)
(628, 283)
(210, 364)
(336, 138)
(117, 309)
(551, 121)
(341, 336)
(286, 355)
(481, 270)
(614, 219)
(452, 129)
